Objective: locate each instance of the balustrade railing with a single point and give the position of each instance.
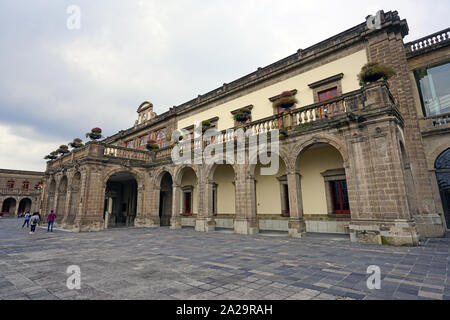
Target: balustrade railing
(126, 153)
(19, 191)
(428, 41)
(441, 119)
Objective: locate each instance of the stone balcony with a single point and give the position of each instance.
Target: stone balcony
(19, 192)
(353, 107)
(435, 124)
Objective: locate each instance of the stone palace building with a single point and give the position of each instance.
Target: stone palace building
(371, 160)
(20, 191)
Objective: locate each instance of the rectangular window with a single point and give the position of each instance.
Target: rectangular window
(10, 185)
(129, 144)
(143, 142)
(339, 197)
(26, 185)
(434, 89)
(328, 94)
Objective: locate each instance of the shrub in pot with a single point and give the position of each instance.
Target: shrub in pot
(95, 134)
(374, 71)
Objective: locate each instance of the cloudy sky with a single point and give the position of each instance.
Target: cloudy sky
(56, 83)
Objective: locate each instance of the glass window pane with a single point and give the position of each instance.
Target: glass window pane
(434, 86)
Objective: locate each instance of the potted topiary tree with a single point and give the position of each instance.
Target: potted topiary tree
(285, 101)
(374, 71)
(95, 134)
(52, 156)
(283, 104)
(151, 145)
(76, 143)
(63, 149)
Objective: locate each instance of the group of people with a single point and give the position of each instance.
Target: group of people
(33, 220)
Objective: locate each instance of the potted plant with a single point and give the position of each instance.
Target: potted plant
(285, 101)
(76, 143)
(95, 134)
(63, 149)
(206, 124)
(374, 71)
(52, 156)
(151, 145)
(242, 116)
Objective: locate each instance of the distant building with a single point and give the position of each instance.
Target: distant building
(367, 160)
(20, 191)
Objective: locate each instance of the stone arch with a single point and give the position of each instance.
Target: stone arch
(435, 154)
(9, 205)
(283, 154)
(158, 175)
(25, 204)
(325, 139)
(442, 166)
(178, 172)
(210, 169)
(137, 175)
(61, 198)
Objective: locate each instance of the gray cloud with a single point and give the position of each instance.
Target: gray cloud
(56, 84)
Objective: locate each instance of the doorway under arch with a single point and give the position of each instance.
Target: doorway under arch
(442, 166)
(9, 206)
(25, 205)
(165, 200)
(121, 200)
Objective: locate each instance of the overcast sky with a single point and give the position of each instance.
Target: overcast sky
(56, 84)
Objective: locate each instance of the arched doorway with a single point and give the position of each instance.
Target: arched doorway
(272, 197)
(442, 166)
(325, 201)
(9, 206)
(189, 192)
(223, 196)
(165, 199)
(25, 205)
(121, 200)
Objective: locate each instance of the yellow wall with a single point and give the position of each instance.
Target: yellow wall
(311, 164)
(224, 177)
(262, 107)
(268, 196)
(189, 179)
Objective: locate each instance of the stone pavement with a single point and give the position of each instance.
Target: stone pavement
(183, 264)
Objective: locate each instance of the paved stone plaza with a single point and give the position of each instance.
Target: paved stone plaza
(164, 264)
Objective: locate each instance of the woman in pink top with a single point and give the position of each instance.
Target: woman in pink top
(51, 219)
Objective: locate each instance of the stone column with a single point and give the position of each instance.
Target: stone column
(297, 225)
(205, 219)
(246, 221)
(175, 220)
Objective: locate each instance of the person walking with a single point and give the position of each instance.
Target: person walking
(51, 220)
(27, 220)
(34, 220)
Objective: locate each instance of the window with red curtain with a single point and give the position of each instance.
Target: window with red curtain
(129, 144)
(142, 142)
(339, 197)
(26, 185)
(10, 184)
(161, 139)
(328, 94)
